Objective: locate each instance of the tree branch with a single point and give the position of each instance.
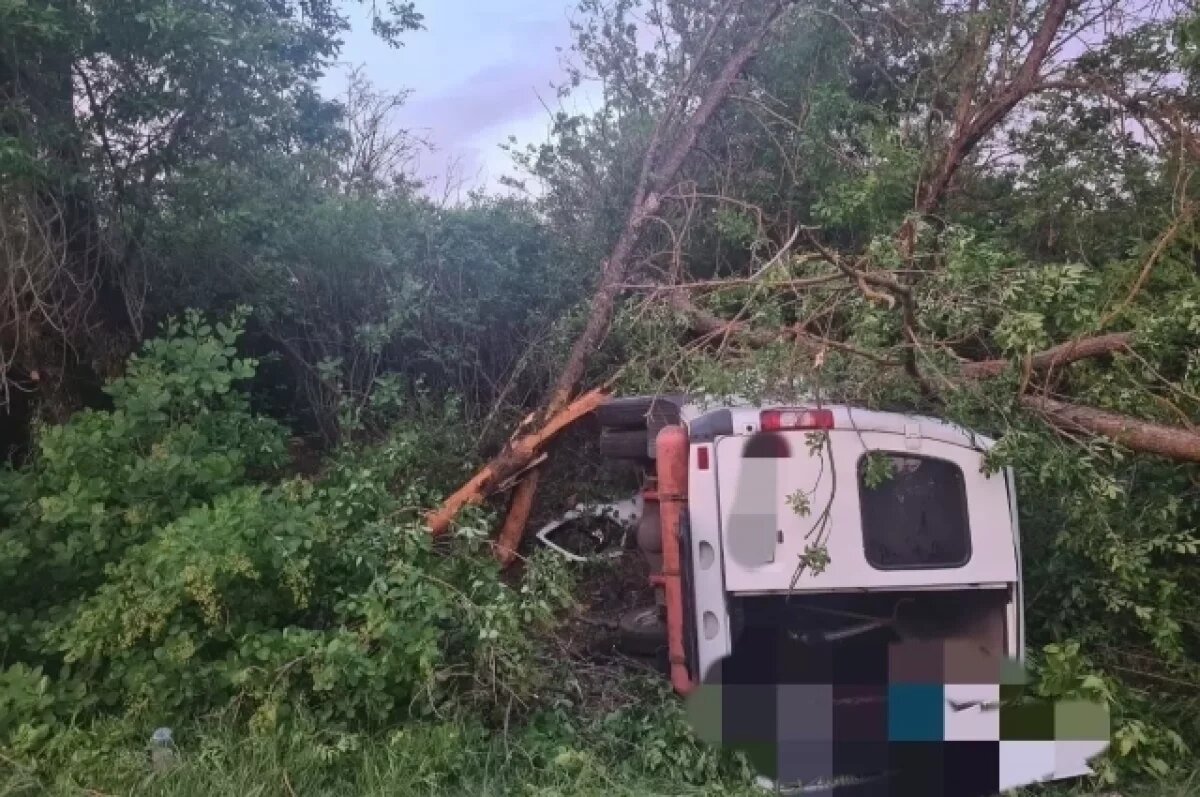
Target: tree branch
(1053, 357)
(510, 461)
(1172, 442)
(980, 124)
(1177, 443)
(656, 176)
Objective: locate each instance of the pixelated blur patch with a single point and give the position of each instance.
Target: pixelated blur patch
(804, 712)
(917, 662)
(1081, 720)
(767, 445)
(860, 713)
(906, 733)
(750, 535)
(971, 769)
(920, 768)
(751, 539)
(915, 712)
(963, 662)
(1027, 721)
(1012, 673)
(704, 712)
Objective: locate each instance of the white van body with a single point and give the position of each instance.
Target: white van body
(932, 553)
(733, 490)
(719, 478)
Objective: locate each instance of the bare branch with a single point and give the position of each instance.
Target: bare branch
(973, 128)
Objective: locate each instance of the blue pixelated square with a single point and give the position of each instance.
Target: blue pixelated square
(916, 712)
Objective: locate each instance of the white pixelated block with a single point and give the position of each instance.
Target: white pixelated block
(1071, 756)
(972, 713)
(1023, 763)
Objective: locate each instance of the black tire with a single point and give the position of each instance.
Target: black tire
(642, 632)
(625, 445)
(638, 412)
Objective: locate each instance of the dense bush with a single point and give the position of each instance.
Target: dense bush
(157, 566)
(350, 288)
(160, 568)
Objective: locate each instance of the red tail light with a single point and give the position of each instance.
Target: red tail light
(780, 420)
(702, 457)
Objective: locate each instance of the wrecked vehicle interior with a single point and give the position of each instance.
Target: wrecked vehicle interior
(971, 619)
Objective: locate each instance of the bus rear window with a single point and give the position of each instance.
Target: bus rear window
(914, 512)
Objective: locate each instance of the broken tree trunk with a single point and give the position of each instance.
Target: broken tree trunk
(657, 176)
(519, 510)
(515, 456)
(1055, 356)
(660, 167)
(1172, 442)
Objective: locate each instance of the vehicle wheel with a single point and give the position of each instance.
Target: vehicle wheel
(642, 632)
(625, 445)
(638, 412)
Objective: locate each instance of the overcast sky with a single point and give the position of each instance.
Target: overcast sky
(476, 73)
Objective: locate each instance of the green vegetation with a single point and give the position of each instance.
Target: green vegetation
(623, 754)
(148, 570)
(243, 354)
(157, 569)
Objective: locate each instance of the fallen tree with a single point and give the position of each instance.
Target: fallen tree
(519, 452)
(660, 165)
(1062, 354)
(999, 75)
(1172, 442)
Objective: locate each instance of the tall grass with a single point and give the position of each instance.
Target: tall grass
(436, 759)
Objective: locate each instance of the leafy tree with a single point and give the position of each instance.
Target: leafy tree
(118, 113)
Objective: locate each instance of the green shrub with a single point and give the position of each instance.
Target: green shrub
(157, 567)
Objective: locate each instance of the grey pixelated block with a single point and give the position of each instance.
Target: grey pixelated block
(812, 732)
(804, 712)
(751, 539)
